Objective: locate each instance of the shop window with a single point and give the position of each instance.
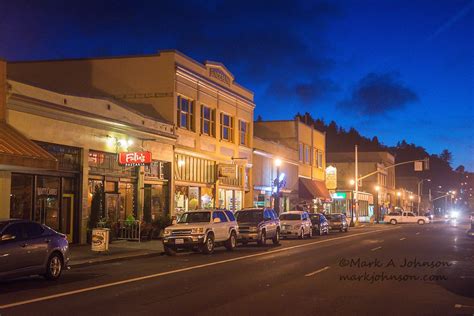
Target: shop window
(155, 201)
(227, 127)
(207, 198)
(127, 200)
(185, 114)
(21, 198)
(69, 158)
(208, 121)
(47, 201)
(244, 133)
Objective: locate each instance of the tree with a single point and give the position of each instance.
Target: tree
(460, 169)
(446, 156)
(259, 118)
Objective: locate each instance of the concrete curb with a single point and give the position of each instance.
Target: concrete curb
(115, 259)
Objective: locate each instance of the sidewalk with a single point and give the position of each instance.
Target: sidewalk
(118, 250)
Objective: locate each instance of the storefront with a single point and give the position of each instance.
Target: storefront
(50, 197)
(194, 183)
(230, 187)
(116, 183)
(313, 195)
(156, 190)
(343, 202)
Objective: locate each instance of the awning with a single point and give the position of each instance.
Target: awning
(312, 189)
(17, 151)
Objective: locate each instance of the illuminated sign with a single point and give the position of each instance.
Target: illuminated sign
(140, 158)
(339, 195)
(331, 178)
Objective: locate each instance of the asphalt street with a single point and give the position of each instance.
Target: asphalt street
(384, 269)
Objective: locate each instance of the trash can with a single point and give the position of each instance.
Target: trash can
(100, 239)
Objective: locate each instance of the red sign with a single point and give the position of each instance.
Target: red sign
(140, 158)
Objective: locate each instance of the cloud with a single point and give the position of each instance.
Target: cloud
(379, 93)
(306, 92)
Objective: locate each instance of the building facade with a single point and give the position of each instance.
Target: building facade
(381, 185)
(212, 115)
(274, 163)
(83, 139)
(310, 146)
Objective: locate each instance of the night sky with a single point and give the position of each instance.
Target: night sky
(394, 69)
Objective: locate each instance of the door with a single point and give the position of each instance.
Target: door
(36, 244)
(112, 207)
(67, 216)
(221, 228)
(47, 201)
(269, 223)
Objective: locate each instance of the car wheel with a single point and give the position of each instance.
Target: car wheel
(276, 239)
(54, 267)
(231, 242)
(393, 221)
(302, 234)
(170, 251)
(347, 229)
(421, 222)
(327, 231)
(208, 246)
(310, 235)
(263, 239)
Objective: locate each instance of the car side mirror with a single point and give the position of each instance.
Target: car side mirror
(8, 237)
(216, 220)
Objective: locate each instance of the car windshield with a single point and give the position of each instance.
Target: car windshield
(290, 217)
(314, 218)
(249, 216)
(334, 217)
(195, 217)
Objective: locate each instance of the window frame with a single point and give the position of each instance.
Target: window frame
(301, 152)
(244, 134)
(320, 159)
(190, 113)
(230, 127)
(307, 154)
(211, 121)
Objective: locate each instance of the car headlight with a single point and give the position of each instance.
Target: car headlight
(167, 232)
(454, 214)
(198, 230)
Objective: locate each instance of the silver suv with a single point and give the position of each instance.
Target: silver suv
(258, 224)
(201, 230)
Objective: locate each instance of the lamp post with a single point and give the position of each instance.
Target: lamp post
(352, 183)
(277, 163)
(420, 193)
(377, 215)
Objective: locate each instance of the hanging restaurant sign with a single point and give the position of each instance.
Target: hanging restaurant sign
(140, 158)
(228, 171)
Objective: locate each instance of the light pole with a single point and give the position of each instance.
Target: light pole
(277, 196)
(352, 183)
(420, 191)
(377, 215)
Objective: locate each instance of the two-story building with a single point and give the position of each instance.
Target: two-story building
(212, 115)
(310, 145)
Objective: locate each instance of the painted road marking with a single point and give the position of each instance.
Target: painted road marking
(376, 248)
(403, 238)
(317, 271)
(462, 306)
(200, 266)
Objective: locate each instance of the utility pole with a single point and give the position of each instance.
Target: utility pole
(356, 193)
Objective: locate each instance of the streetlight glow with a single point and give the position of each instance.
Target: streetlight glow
(351, 181)
(399, 193)
(377, 188)
(278, 162)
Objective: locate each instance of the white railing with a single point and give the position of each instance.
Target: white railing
(128, 230)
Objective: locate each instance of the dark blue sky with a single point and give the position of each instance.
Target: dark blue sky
(395, 69)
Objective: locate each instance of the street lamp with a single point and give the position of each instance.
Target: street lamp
(377, 215)
(277, 163)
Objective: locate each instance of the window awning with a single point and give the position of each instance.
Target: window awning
(17, 151)
(312, 189)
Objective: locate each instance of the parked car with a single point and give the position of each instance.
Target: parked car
(320, 224)
(338, 222)
(295, 224)
(201, 230)
(405, 217)
(258, 224)
(29, 248)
